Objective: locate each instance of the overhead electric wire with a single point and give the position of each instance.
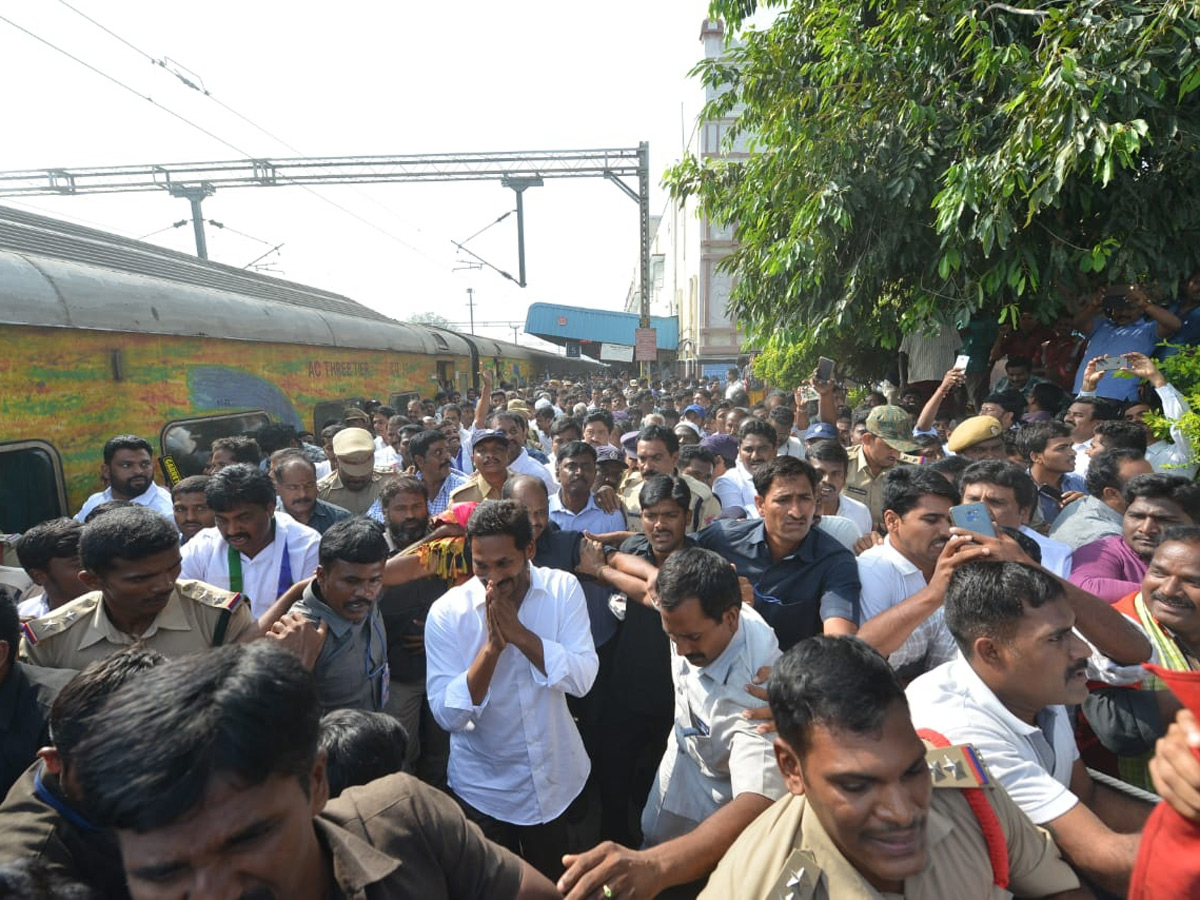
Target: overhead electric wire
(200, 128)
(178, 224)
(162, 64)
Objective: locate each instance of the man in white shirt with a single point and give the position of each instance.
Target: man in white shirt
(756, 447)
(832, 462)
(718, 773)
(516, 430)
(502, 652)
(129, 470)
(254, 550)
(910, 570)
(1021, 664)
(1011, 497)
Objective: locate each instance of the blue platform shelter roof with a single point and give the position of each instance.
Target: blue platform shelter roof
(559, 324)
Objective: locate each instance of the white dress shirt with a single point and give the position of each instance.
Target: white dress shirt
(1056, 556)
(856, 511)
(517, 755)
(793, 446)
(714, 754)
(154, 497)
(888, 577)
(206, 558)
(527, 465)
(1032, 762)
(736, 488)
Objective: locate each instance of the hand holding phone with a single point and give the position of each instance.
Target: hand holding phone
(825, 369)
(962, 361)
(1111, 364)
(973, 517)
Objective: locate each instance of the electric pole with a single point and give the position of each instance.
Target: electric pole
(471, 307)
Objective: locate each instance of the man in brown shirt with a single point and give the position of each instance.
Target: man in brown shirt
(208, 770)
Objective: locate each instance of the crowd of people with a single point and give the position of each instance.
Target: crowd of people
(624, 639)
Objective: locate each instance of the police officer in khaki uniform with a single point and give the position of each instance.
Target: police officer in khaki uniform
(888, 441)
(357, 482)
(131, 561)
(658, 454)
(489, 452)
(872, 811)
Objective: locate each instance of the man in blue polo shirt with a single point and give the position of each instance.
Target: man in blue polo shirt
(805, 582)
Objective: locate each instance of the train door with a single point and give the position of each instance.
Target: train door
(32, 489)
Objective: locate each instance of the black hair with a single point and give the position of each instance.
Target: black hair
(842, 684)
(52, 539)
(860, 417)
(244, 449)
(1159, 486)
(287, 456)
(1121, 435)
(1186, 534)
(988, 599)
(783, 467)
(951, 467)
(103, 509)
(497, 517)
(410, 431)
(693, 572)
(421, 444)
(353, 540)
(328, 431)
(1002, 474)
(754, 425)
(383, 410)
(193, 484)
(1102, 408)
(829, 451)
(904, 486)
(1019, 362)
(275, 436)
(84, 695)
(1049, 397)
(1012, 401)
(663, 435)
(1104, 471)
(360, 746)
(783, 415)
(125, 442)
(576, 448)
(511, 417)
(128, 534)
(398, 421)
(688, 452)
(240, 483)
(658, 488)
(564, 423)
(242, 713)
(10, 625)
(401, 484)
(603, 416)
(1034, 436)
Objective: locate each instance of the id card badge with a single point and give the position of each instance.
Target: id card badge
(385, 689)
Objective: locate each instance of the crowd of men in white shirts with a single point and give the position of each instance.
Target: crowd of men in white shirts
(592, 625)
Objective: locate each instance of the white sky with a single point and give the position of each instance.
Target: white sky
(366, 78)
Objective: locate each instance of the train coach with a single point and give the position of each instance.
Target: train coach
(103, 335)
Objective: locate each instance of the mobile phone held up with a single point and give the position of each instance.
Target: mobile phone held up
(962, 361)
(973, 517)
(824, 369)
(1117, 298)
(1111, 364)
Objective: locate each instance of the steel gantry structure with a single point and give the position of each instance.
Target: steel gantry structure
(516, 170)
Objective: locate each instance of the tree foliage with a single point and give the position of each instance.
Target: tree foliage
(429, 318)
(910, 162)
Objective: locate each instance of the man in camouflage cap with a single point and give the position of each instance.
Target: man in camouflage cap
(886, 443)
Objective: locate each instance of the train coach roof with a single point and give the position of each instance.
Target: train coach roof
(56, 273)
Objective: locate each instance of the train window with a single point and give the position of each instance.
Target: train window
(333, 409)
(189, 441)
(31, 485)
(399, 402)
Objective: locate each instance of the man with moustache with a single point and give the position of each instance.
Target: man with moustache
(253, 550)
(756, 446)
(129, 470)
(489, 454)
(190, 507)
(504, 649)
(1132, 714)
(430, 453)
(1021, 664)
(131, 562)
(351, 669)
(355, 485)
(295, 478)
(864, 815)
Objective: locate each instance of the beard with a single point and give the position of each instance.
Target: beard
(408, 531)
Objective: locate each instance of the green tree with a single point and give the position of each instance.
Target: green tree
(429, 318)
(911, 161)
